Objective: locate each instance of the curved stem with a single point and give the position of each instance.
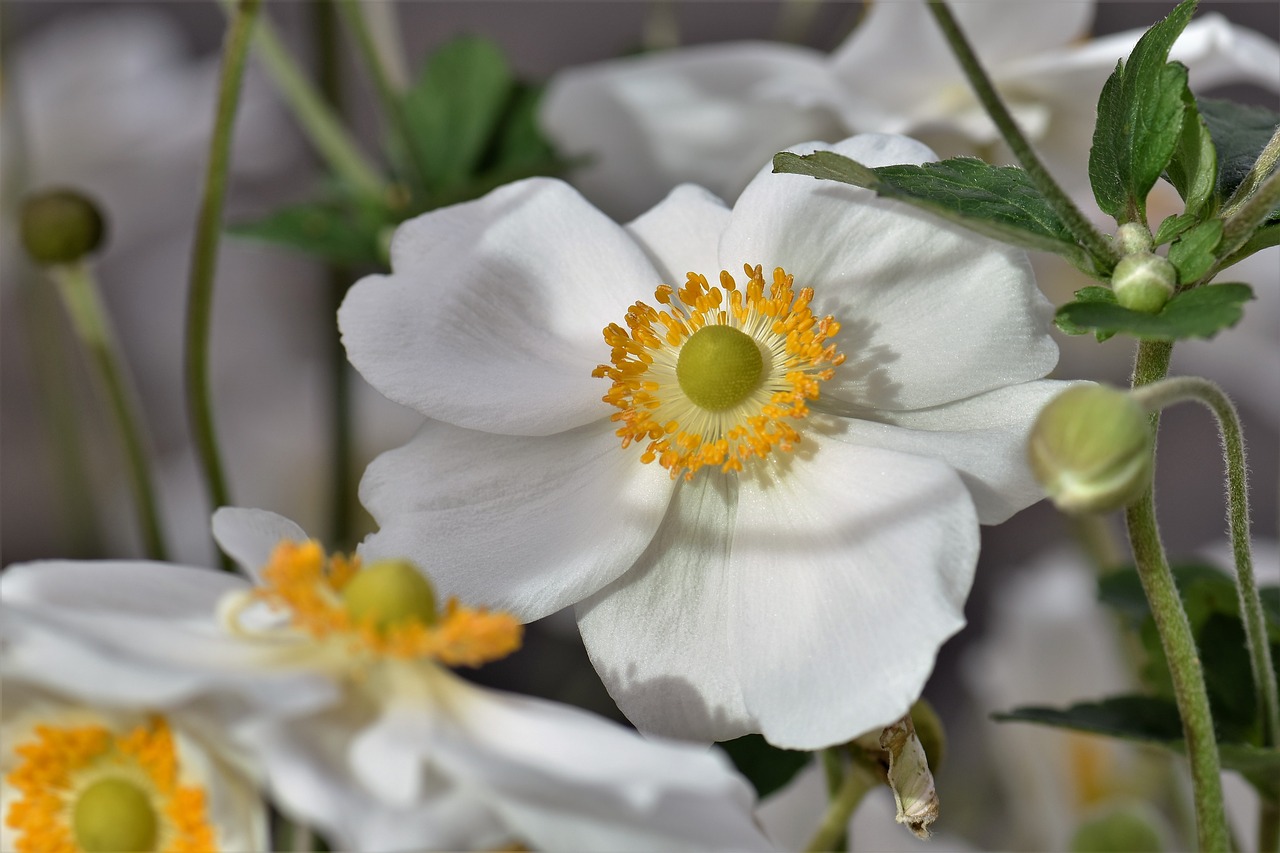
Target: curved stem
(1176, 638)
(1248, 216)
(835, 823)
(204, 255)
(80, 295)
(1193, 388)
(1077, 223)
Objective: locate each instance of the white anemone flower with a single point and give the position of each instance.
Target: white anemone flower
(77, 777)
(831, 393)
(702, 114)
(330, 673)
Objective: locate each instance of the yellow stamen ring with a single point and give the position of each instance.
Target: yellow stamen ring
(696, 394)
(64, 770)
(299, 579)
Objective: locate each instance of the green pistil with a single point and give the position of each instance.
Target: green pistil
(719, 367)
(390, 593)
(114, 815)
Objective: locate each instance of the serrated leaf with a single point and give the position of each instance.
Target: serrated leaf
(1192, 254)
(997, 201)
(766, 767)
(1172, 226)
(329, 230)
(1104, 156)
(1198, 313)
(1193, 171)
(1093, 293)
(454, 108)
(1239, 134)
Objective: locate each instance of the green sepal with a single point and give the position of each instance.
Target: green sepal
(1193, 170)
(996, 201)
(1198, 313)
(1139, 123)
(335, 229)
(1239, 134)
(765, 766)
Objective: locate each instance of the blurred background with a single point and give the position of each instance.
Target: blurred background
(117, 99)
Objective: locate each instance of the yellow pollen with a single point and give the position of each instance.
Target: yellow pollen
(314, 589)
(695, 395)
(67, 776)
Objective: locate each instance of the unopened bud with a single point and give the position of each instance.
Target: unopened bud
(1144, 282)
(1091, 449)
(60, 227)
(1133, 237)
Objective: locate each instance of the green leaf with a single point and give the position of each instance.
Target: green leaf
(1139, 120)
(1239, 134)
(332, 230)
(1093, 293)
(1198, 313)
(1172, 226)
(454, 108)
(520, 139)
(766, 767)
(1192, 254)
(997, 201)
(1193, 171)
(1263, 238)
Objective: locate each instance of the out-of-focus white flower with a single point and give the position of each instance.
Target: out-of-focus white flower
(77, 777)
(330, 673)
(796, 565)
(705, 114)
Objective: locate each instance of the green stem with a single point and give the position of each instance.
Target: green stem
(1269, 826)
(1193, 388)
(1151, 364)
(1257, 173)
(89, 319)
(835, 824)
(1096, 535)
(1077, 223)
(204, 255)
(1239, 226)
(320, 124)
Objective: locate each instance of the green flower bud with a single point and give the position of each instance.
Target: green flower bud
(1133, 238)
(114, 814)
(1091, 449)
(1144, 282)
(390, 593)
(1123, 830)
(60, 227)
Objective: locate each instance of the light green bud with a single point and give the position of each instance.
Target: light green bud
(60, 226)
(1144, 282)
(112, 815)
(1133, 238)
(1091, 449)
(1122, 830)
(390, 593)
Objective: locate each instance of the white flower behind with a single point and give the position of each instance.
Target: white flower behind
(804, 535)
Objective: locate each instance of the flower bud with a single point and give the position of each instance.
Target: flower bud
(60, 227)
(1144, 282)
(1133, 238)
(390, 593)
(1091, 449)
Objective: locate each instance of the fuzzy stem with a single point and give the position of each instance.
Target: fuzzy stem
(1103, 253)
(1193, 388)
(204, 255)
(80, 296)
(1248, 216)
(835, 823)
(1176, 638)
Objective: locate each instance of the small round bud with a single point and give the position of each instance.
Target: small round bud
(1144, 282)
(114, 814)
(390, 593)
(1091, 449)
(60, 226)
(1133, 238)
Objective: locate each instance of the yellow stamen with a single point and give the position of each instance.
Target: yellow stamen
(63, 765)
(300, 579)
(687, 431)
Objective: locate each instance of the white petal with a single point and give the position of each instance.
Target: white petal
(658, 636)
(984, 438)
(248, 536)
(710, 115)
(930, 313)
(682, 233)
(564, 779)
(492, 316)
(853, 565)
(524, 524)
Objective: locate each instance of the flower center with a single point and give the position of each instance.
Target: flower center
(114, 814)
(720, 375)
(719, 367)
(86, 788)
(385, 610)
